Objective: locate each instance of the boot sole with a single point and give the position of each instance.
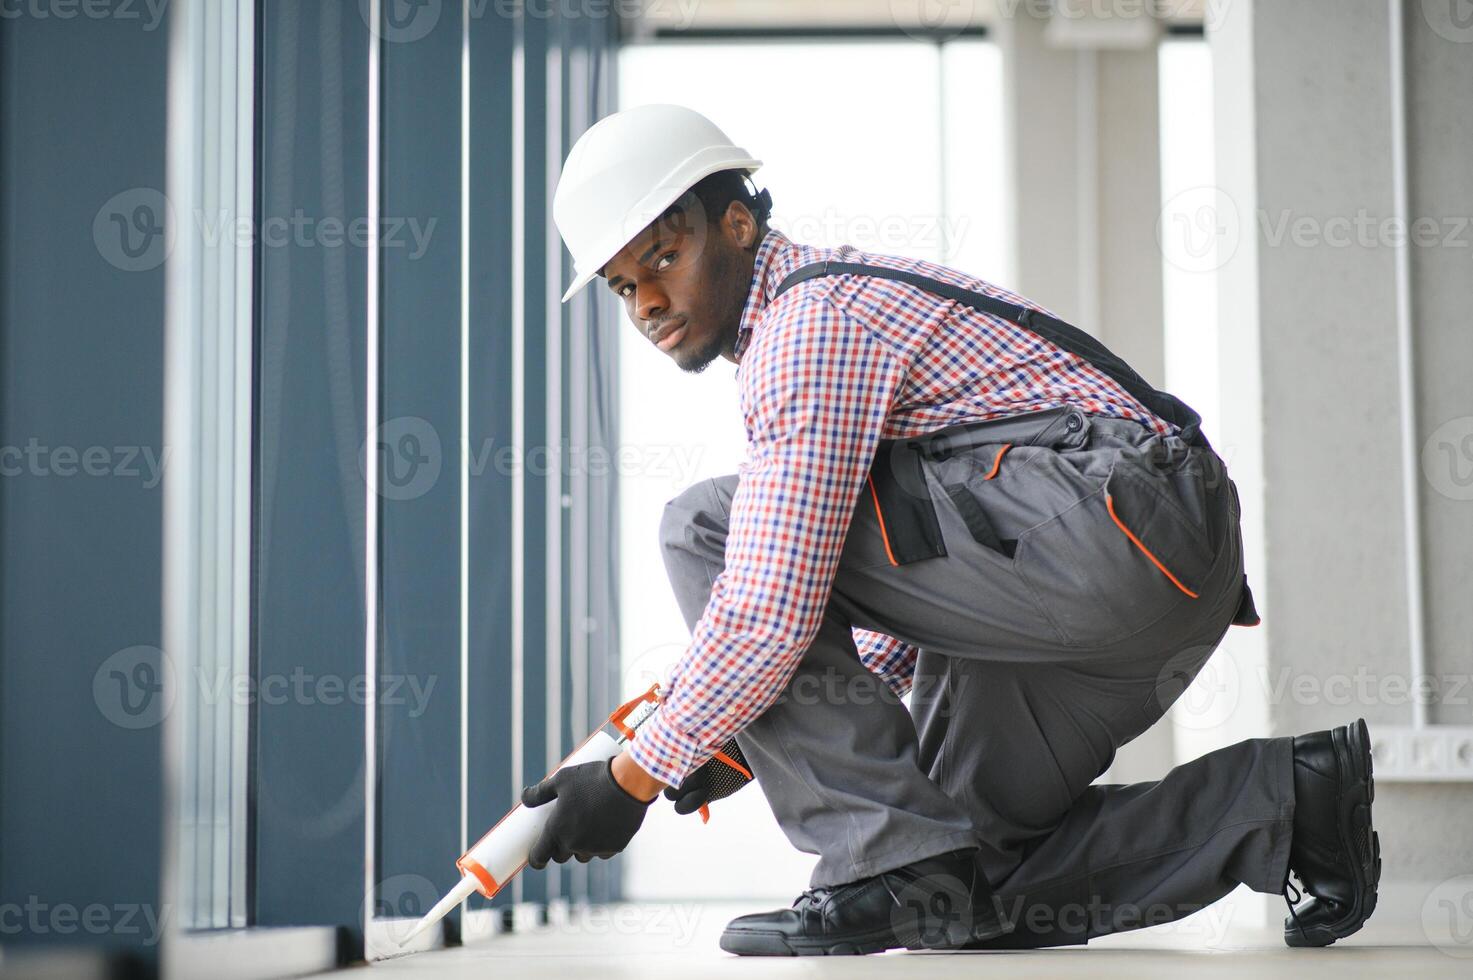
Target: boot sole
(1357, 793)
(751, 942)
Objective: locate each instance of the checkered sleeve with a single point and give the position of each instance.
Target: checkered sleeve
(816, 389)
(894, 660)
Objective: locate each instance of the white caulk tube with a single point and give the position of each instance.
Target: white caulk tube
(500, 855)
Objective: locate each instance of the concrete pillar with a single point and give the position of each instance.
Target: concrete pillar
(1084, 173)
(1313, 282)
(1084, 178)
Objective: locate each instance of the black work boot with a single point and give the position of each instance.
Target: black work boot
(940, 902)
(1335, 854)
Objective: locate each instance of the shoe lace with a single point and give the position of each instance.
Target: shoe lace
(813, 896)
(1288, 887)
(816, 896)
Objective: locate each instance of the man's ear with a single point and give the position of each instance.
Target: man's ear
(741, 224)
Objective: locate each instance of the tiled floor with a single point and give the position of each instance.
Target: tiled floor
(678, 941)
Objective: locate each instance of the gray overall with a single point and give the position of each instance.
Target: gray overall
(1064, 576)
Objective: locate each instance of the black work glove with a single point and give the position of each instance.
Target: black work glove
(712, 781)
(594, 817)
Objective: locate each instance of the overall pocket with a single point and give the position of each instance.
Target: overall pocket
(1123, 555)
(975, 498)
(894, 520)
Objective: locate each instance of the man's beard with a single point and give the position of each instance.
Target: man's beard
(725, 275)
(698, 360)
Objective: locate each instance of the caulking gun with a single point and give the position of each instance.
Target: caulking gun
(500, 855)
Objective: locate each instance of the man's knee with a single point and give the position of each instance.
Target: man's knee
(696, 518)
(678, 515)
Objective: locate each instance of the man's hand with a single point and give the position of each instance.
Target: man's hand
(594, 817)
(715, 780)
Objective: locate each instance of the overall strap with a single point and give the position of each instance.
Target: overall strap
(1052, 329)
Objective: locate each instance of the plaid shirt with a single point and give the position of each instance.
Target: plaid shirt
(824, 372)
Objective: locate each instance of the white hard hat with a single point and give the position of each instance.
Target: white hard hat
(626, 170)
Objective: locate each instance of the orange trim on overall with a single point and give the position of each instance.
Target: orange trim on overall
(489, 885)
(997, 463)
(884, 535)
(1110, 505)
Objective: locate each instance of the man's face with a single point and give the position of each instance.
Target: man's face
(684, 281)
